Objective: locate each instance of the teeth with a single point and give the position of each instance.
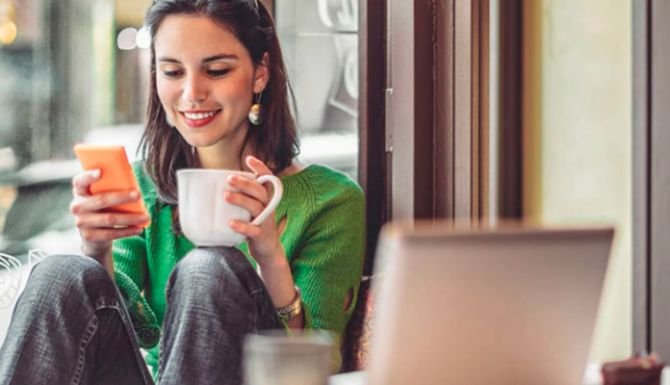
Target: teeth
(198, 115)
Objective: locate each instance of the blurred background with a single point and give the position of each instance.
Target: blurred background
(77, 71)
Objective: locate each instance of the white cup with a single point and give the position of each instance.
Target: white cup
(275, 358)
(204, 213)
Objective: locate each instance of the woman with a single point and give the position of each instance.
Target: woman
(215, 64)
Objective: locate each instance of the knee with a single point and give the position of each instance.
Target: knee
(209, 270)
(201, 264)
(69, 273)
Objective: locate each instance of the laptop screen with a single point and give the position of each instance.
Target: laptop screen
(513, 305)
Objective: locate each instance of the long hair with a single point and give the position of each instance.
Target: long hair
(274, 141)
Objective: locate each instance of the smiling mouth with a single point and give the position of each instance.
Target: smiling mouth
(199, 119)
(199, 115)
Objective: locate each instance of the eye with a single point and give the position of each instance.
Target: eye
(172, 74)
(218, 72)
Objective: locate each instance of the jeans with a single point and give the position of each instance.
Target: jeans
(70, 325)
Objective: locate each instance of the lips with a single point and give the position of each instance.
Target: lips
(197, 119)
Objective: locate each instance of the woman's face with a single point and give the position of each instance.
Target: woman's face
(205, 80)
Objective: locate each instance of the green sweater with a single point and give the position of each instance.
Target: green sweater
(323, 239)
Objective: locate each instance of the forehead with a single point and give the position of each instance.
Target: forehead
(195, 36)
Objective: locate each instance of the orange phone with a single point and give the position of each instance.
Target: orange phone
(116, 173)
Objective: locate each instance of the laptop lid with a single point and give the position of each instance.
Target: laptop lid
(507, 306)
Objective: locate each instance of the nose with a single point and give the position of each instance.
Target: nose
(195, 89)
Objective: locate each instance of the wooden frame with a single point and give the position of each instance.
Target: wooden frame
(373, 170)
(510, 111)
(651, 176)
(641, 167)
(437, 112)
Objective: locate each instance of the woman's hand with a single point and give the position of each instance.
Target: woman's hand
(264, 244)
(97, 227)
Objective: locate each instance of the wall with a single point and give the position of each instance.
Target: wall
(130, 12)
(577, 123)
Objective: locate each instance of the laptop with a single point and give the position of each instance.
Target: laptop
(507, 306)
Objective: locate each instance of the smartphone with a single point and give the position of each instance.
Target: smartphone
(116, 173)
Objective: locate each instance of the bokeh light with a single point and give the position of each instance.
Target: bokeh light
(127, 39)
(8, 32)
(143, 38)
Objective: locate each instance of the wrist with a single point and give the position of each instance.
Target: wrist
(101, 254)
(291, 310)
(277, 261)
(95, 251)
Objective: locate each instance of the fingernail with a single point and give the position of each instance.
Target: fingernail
(134, 194)
(96, 173)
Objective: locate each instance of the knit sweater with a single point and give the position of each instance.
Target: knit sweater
(323, 237)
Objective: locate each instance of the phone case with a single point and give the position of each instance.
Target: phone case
(116, 173)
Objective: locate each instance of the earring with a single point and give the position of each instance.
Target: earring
(255, 111)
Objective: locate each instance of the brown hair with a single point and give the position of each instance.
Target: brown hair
(274, 141)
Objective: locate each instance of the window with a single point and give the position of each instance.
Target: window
(77, 71)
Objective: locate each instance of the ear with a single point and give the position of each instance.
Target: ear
(262, 74)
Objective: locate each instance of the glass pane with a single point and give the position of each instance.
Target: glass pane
(57, 69)
(77, 71)
(69, 77)
(320, 44)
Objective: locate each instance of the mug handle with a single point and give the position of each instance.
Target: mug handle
(276, 197)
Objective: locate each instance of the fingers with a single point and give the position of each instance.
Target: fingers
(257, 166)
(82, 181)
(248, 203)
(101, 227)
(110, 220)
(92, 203)
(246, 229)
(249, 187)
(92, 235)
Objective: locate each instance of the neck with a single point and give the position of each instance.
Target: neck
(226, 154)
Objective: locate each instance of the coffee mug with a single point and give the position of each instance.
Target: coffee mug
(300, 358)
(204, 213)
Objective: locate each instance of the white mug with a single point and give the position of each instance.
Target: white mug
(301, 358)
(204, 213)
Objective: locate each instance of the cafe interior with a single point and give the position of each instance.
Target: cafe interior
(455, 116)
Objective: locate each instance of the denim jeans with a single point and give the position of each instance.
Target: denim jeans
(70, 325)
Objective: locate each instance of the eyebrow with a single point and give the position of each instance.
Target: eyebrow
(205, 60)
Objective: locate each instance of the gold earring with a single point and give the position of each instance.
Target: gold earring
(255, 111)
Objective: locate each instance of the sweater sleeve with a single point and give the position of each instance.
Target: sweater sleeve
(328, 268)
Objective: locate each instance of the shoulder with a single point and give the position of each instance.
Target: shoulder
(327, 184)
